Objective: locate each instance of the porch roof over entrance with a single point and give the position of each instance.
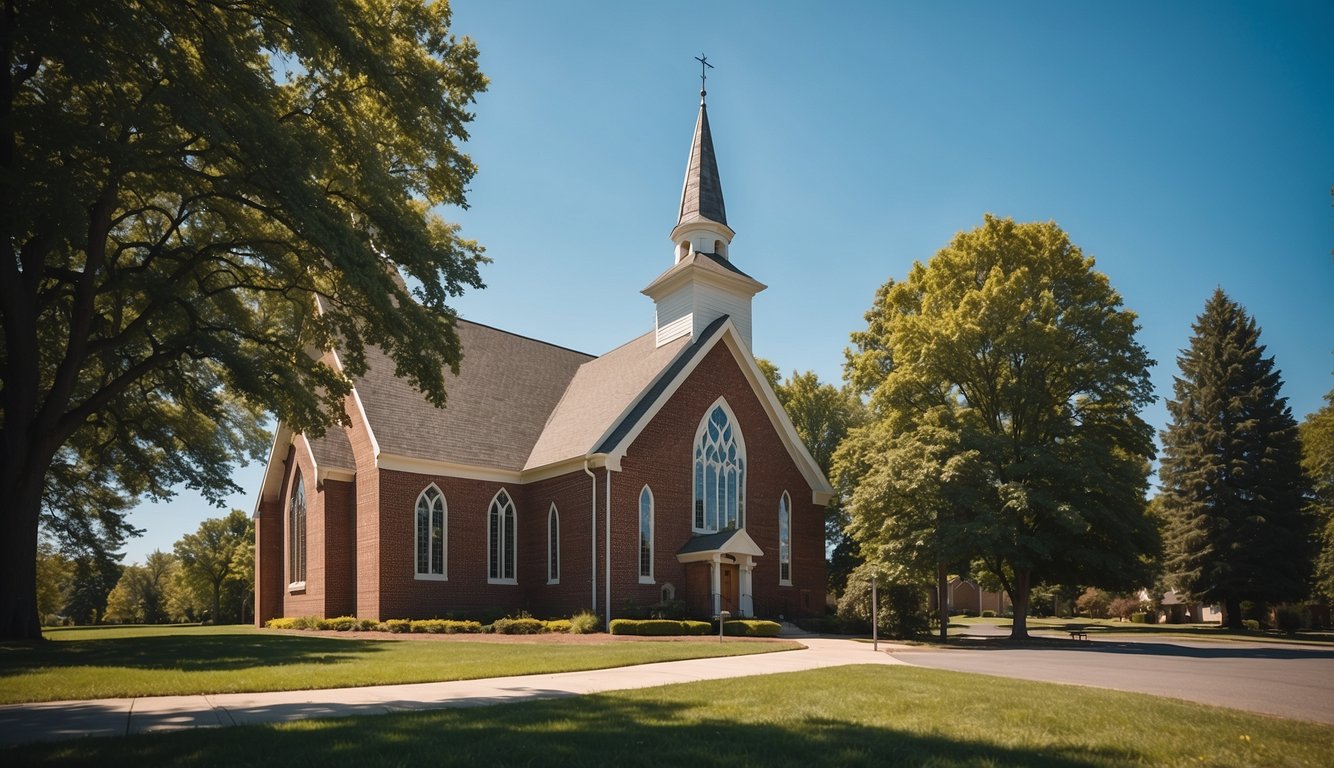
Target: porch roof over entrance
(731, 542)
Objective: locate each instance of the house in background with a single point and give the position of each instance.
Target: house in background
(967, 596)
(557, 481)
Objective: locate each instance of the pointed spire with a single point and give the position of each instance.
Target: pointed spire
(702, 194)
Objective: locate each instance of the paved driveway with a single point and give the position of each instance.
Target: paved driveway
(1288, 680)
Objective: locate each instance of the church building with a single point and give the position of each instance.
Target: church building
(555, 481)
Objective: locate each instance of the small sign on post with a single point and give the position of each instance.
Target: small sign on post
(723, 616)
(875, 617)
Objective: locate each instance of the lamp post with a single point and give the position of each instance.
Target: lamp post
(875, 613)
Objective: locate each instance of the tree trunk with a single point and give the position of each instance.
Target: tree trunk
(1019, 596)
(18, 554)
(942, 601)
(1232, 612)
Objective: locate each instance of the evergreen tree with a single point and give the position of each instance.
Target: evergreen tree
(1233, 489)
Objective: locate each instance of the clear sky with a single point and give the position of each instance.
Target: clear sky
(1184, 145)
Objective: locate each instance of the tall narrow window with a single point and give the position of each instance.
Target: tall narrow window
(553, 546)
(296, 533)
(431, 534)
(501, 529)
(646, 536)
(720, 472)
(785, 539)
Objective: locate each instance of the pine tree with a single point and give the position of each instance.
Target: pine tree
(1233, 488)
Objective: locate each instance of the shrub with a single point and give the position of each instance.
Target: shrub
(902, 607)
(398, 626)
(282, 623)
(1288, 619)
(1139, 617)
(522, 625)
(692, 627)
(1123, 607)
(988, 614)
(557, 626)
(1251, 624)
(339, 623)
(623, 627)
(751, 628)
(661, 627)
(584, 623)
(368, 625)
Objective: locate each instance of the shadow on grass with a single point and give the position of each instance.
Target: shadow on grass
(186, 652)
(594, 730)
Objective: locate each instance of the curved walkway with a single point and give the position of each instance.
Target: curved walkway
(50, 721)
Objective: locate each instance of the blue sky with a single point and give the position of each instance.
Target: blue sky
(1185, 146)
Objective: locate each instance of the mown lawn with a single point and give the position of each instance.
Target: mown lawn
(114, 662)
(846, 716)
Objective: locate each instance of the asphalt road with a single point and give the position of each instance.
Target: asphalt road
(1288, 680)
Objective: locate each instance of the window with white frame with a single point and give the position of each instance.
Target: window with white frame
(646, 536)
(501, 534)
(785, 539)
(553, 546)
(720, 472)
(431, 534)
(296, 533)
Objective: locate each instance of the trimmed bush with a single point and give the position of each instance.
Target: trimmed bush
(557, 626)
(523, 625)
(398, 626)
(1288, 620)
(339, 623)
(693, 627)
(283, 623)
(751, 628)
(662, 627)
(584, 623)
(445, 626)
(624, 627)
(1139, 618)
(368, 625)
(988, 614)
(1251, 624)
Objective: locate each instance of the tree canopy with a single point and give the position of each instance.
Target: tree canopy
(1233, 490)
(1317, 434)
(1005, 383)
(200, 199)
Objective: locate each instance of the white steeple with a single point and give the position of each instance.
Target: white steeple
(702, 284)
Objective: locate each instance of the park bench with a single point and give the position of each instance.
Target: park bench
(1079, 634)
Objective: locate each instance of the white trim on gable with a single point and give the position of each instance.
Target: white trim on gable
(821, 490)
(361, 409)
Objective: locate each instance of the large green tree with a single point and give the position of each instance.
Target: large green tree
(200, 197)
(213, 557)
(1317, 434)
(1233, 490)
(1009, 364)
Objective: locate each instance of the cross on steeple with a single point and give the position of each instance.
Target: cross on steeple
(703, 75)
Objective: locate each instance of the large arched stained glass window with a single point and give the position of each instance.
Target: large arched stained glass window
(296, 533)
(431, 534)
(720, 472)
(501, 545)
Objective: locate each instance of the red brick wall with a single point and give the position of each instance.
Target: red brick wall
(269, 577)
(662, 457)
(339, 500)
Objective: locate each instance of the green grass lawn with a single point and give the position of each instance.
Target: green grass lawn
(113, 662)
(847, 716)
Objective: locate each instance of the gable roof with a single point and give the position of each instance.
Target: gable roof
(499, 402)
(598, 395)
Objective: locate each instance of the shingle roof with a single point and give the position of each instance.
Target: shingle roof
(702, 194)
(498, 404)
(601, 391)
(333, 449)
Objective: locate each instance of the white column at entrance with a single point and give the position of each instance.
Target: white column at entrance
(747, 601)
(715, 584)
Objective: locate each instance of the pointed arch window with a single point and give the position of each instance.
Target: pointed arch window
(432, 534)
(646, 536)
(785, 539)
(553, 546)
(501, 530)
(296, 534)
(720, 472)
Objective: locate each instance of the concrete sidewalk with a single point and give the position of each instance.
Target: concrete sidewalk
(51, 721)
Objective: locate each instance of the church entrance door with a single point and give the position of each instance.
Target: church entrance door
(730, 587)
